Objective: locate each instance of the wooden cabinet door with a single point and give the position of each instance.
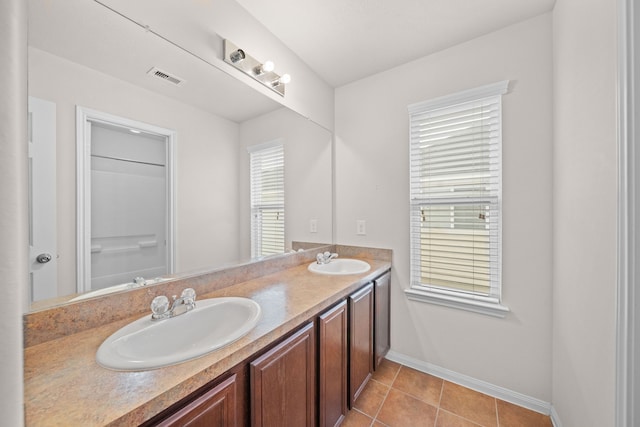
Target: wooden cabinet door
(382, 333)
(360, 340)
(283, 383)
(215, 408)
(333, 371)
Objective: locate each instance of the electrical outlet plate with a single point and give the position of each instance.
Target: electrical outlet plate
(313, 225)
(361, 227)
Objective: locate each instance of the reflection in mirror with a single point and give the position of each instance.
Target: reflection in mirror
(82, 54)
(125, 200)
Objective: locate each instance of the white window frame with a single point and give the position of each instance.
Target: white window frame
(270, 150)
(491, 303)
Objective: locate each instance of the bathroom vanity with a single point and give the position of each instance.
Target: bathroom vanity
(306, 361)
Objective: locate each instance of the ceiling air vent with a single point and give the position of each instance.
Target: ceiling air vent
(156, 72)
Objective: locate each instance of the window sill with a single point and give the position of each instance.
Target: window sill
(480, 305)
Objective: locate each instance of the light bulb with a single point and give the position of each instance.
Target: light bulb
(237, 56)
(268, 66)
(285, 78)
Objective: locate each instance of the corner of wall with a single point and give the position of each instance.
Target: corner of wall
(13, 209)
(584, 239)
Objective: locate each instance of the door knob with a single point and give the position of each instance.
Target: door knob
(43, 258)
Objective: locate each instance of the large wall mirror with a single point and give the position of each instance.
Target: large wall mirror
(84, 57)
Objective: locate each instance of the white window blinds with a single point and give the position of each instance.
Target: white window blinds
(455, 167)
(267, 199)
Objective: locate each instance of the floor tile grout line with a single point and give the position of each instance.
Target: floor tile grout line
(439, 400)
(464, 418)
(438, 407)
(441, 393)
(396, 375)
(411, 396)
(371, 378)
(375, 418)
(360, 412)
(420, 398)
(459, 415)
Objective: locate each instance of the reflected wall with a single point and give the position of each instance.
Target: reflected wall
(215, 118)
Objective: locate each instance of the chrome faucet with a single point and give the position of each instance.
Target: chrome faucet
(160, 305)
(325, 258)
(139, 281)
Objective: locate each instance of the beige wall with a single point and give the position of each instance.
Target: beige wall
(585, 197)
(372, 180)
(206, 158)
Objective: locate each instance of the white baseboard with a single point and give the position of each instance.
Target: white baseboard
(555, 418)
(482, 386)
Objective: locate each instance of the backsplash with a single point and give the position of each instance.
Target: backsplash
(56, 322)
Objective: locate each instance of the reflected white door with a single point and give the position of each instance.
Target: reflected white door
(128, 205)
(42, 199)
(125, 200)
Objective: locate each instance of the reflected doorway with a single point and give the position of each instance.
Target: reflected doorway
(125, 200)
(43, 253)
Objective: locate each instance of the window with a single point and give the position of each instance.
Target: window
(267, 198)
(455, 174)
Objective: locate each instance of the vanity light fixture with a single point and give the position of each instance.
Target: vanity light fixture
(260, 71)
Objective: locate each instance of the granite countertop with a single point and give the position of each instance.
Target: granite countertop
(64, 386)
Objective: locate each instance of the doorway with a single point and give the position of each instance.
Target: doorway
(125, 200)
(43, 252)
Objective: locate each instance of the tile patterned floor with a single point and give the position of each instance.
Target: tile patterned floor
(398, 396)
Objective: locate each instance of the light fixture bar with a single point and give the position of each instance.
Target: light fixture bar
(260, 71)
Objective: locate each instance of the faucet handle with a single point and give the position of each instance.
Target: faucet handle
(188, 295)
(159, 306)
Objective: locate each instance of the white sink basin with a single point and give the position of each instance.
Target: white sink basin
(104, 291)
(118, 288)
(340, 266)
(147, 344)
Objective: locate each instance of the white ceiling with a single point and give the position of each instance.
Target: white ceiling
(346, 40)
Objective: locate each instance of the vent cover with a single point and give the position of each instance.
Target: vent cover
(168, 77)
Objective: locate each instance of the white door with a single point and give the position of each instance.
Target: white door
(129, 206)
(125, 200)
(42, 199)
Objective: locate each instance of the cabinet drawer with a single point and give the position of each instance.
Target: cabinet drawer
(217, 407)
